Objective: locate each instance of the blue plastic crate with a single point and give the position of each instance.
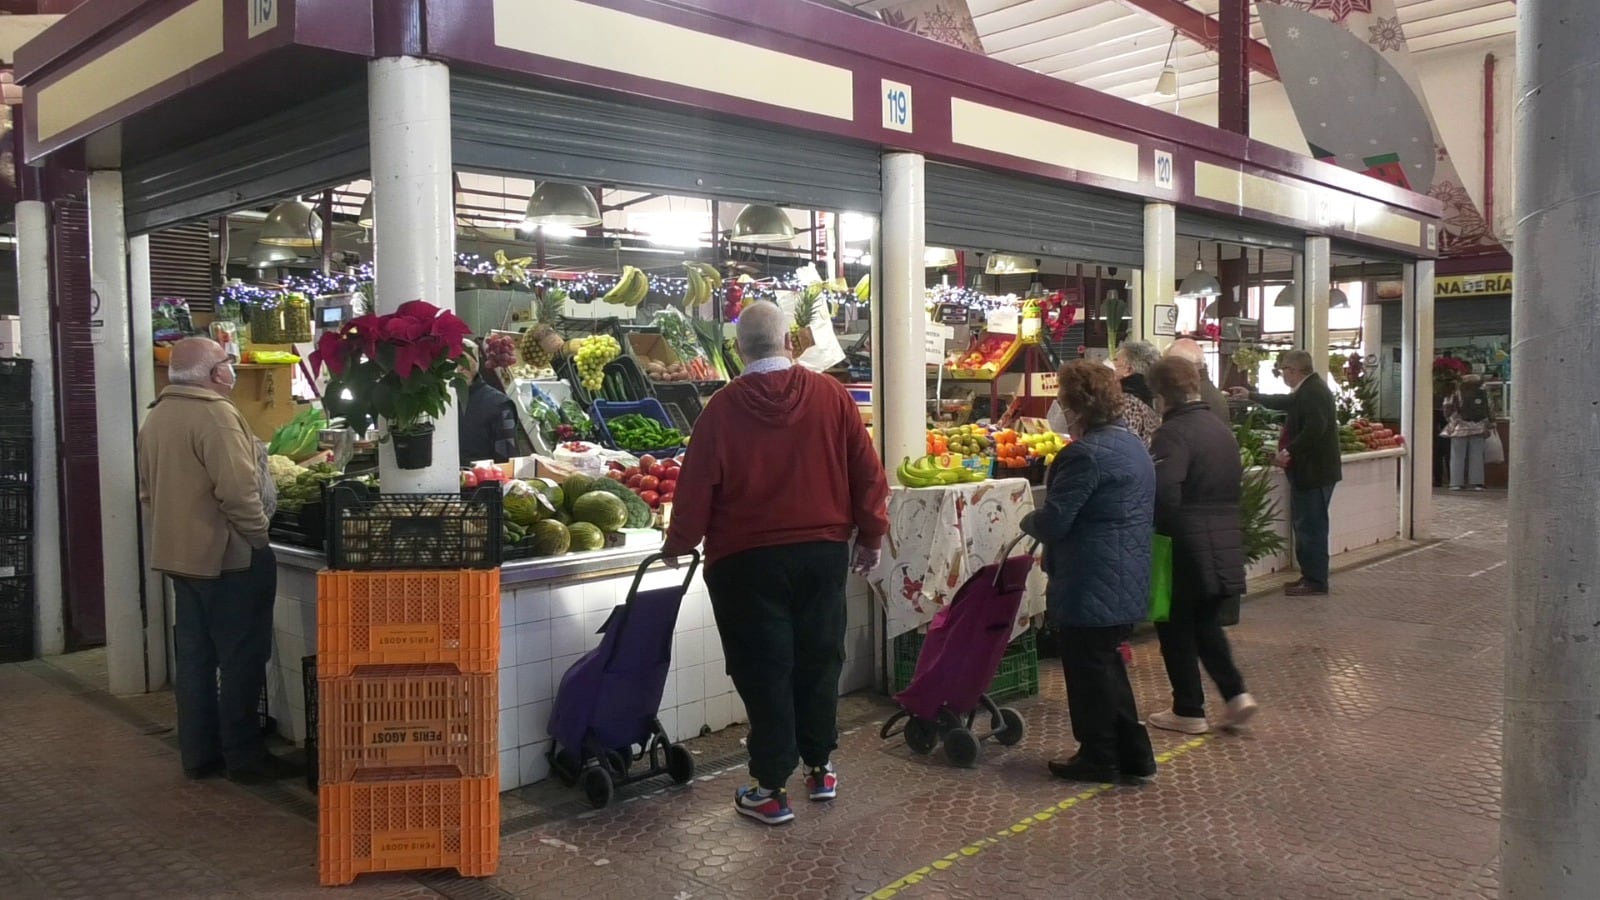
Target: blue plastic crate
(604, 411)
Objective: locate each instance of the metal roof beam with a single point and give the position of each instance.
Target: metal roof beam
(1205, 30)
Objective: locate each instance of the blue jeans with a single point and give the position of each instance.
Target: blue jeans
(224, 626)
(1308, 515)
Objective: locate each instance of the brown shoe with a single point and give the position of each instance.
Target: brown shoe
(1305, 589)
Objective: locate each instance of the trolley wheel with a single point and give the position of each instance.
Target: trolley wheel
(921, 735)
(680, 763)
(617, 763)
(961, 747)
(1013, 730)
(597, 786)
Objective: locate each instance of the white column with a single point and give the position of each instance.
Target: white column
(904, 377)
(1311, 319)
(114, 420)
(38, 344)
(414, 240)
(1416, 401)
(1551, 821)
(144, 393)
(1158, 281)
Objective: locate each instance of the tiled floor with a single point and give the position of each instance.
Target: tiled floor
(1372, 771)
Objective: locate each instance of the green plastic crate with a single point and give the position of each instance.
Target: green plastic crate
(1018, 675)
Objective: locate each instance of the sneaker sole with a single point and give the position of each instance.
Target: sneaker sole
(765, 819)
(824, 797)
(1191, 730)
(1241, 718)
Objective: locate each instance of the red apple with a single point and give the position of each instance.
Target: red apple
(649, 483)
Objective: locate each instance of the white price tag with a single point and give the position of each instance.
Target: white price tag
(1002, 320)
(1166, 176)
(1044, 384)
(897, 112)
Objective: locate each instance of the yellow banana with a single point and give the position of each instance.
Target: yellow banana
(697, 286)
(910, 477)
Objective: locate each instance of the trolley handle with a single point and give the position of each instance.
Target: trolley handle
(688, 577)
(1005, 554)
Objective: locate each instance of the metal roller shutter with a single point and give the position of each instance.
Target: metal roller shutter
(1468, 317)
(978, 210)
(293, 152)
(525, 131)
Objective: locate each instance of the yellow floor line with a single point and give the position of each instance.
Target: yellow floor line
(1019, 828)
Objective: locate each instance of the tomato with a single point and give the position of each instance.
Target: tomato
(668, 483)
(468, 479)
(651, 499)
(649, 483)
(630, 472)
(614, 475)
(647, 464)
(633, 481)
(616, 466)
(488, 474)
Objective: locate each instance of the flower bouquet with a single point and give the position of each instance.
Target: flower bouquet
(400, 368)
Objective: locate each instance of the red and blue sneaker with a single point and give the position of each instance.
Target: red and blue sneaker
(822, 783)
(766, 806)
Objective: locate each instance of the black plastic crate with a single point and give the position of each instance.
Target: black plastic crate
(16, 458)
(308, 683)
(16, 381)
(368, 532)
(16, 619)
(16, 555)
(16, 420)
(682, 400)
(16, 508)
(305, 527)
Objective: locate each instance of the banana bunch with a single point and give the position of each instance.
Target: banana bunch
(630, 289)
(864, 289)
(704, 279)
(511, 271)
(930, 471)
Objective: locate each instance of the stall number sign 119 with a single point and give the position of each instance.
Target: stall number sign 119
(263, 16)
(897, 114)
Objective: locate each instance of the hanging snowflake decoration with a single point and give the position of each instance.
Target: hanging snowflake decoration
(900, 20)
(1387, 35)
(950, 27)
(1339, 10)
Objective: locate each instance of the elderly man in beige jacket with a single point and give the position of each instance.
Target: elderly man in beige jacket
(199, 482)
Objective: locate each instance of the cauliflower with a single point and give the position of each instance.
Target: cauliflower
(283, 471)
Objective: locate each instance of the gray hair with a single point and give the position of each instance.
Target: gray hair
(193, 359)
(1299, 359)
(1140, 355)
(763, 330)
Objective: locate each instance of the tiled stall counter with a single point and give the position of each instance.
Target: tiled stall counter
(550, 615)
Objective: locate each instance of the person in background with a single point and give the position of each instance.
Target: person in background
(1096, 527)
(1216, 400)
(199, 483)
(1132, 363)
(1199, 480)
(487, 417)
(780, 476)
(1467, 424)
(1310, 455)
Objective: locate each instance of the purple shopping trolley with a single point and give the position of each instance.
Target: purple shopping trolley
(605, 726)
(958, 660)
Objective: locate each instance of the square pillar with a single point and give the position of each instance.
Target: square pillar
(1158, 280)
(1416, 401)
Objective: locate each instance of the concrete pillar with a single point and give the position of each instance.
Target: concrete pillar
(414, 240)
(141, 320)
(38, 344)
(903, 382)
(1159, 278)
(114, 421)
(1311, 317)
(1550, 824)
(1416, 401)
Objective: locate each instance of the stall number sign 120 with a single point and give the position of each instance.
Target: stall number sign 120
(263, 16)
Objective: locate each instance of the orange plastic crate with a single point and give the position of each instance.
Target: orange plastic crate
(402, 717)
(408, 618)
(418, 821)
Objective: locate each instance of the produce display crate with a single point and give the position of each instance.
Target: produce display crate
(401, 717)
(308, 686)
(16, 459)
(573, 327)
(16, 507)
(16, 420)
(605, 412)
(16, 382)
(16, 619)
(1018, 675)
(1004, 363)
(408, 822)
(16, 555)
(388, 532)
(304, 527)
(408, 618)
(681, 400)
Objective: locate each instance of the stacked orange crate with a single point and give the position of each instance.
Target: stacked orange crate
(407, 671)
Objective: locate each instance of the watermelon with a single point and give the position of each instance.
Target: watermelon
(549, 538)
(600, 509)
(586, 537)
(639, 514)
(574, 487)
(551, 490)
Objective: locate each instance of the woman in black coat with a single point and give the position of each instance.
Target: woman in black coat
(1198, 488)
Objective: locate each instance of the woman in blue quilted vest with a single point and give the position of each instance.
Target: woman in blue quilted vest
(1096, 524)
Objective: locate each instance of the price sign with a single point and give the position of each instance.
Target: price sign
(933, 341)
(1166, 175)
(1166, 320)
(1044, 384)
(1002, 320)
(953, 314)
(897, 112)
(263, 16)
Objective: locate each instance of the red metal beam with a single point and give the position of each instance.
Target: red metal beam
(1233, 72)
(1206, 31)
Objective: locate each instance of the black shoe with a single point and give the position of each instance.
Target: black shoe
(212, 769)
(1075, 769)
(1140, 772)
(265, 771)
(1305, 589)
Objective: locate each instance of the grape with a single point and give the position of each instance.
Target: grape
(593, 356)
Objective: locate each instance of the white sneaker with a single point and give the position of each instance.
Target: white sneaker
(1240, 710)
(1167, 720)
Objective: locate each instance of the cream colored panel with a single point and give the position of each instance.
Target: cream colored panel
(177, 44)
(1265, 195)
(1027, 137)
(617, 41)
(1375, 221)
(1212, 182)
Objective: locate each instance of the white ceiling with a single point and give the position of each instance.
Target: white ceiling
(1119, 49)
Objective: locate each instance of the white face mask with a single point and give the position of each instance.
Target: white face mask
(1059, 421)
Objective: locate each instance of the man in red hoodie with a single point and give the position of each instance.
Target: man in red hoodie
(779, 475)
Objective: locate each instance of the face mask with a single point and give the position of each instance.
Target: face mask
(1057, 417)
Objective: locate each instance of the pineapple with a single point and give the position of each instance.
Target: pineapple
(531, 346)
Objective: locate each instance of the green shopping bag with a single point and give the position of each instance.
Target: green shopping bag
(1160, 578)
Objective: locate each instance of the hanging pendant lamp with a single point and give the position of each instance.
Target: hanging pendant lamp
(365, 219)
(291, 224)
(1290, 296)
(562, 203)
(1010, 264)
(266, 256)
(938, 258)
(1199, 283)
(762, 224)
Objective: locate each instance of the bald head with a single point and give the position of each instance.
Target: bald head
(763, 332)
(1189, 349)
(194, 364)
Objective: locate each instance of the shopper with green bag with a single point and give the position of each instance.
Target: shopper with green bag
(1160, 578)
(1198, 488)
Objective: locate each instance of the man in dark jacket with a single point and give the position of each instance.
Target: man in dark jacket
(487, 417)
(1310, 455)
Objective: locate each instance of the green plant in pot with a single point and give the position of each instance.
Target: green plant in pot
(400, 368)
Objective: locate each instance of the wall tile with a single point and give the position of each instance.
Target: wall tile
(534, 641)
(688, 647)
(508, 609)
(711, 641)
(533, 765)
(691, 684)
(559, 667)
(593, 620)
(534, 682)
(567, 636)
(566, 601)
(510, 772)
(602, 594)
(691, 717)
(533, 604)
(509, 655)
(510, 689)
(508, 729)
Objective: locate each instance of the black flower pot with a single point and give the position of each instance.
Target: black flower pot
(414, 450)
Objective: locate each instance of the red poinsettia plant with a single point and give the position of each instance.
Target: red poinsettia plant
(398, 367)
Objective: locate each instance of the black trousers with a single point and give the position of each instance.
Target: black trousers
(1105, 718)
(1187, 645)
(781, 614)
(224, 627)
